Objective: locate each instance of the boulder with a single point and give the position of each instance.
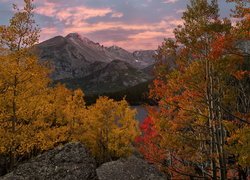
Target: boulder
(71, 161)
(3, 164)
(132, 168)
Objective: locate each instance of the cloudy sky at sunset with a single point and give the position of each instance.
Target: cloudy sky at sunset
(131, 24)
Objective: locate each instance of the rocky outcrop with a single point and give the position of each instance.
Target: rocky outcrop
(3, 165)
(123, 55)
(145, 58)
(71, 161)
(132, 168)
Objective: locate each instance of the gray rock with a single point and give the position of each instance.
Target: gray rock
(71, 161)
(132, 168)
(3, 165)
(145, 58)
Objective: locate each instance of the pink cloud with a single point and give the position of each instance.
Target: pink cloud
(74, 14)
(147, 38)
(134, 45)
(48, 9)
(75, 19)
(149, 35)
(48, 33)
(169, 1)
(117, 15)
(81, 13)
(82, 26)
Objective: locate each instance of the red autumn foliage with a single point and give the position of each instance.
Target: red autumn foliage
(148, 143)
(218, 47)
(241, 74)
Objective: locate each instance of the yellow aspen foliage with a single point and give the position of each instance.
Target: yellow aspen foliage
(57, 99)
(23, 83)
(239, 143)
(74, 112)
(61, 117)
(21, 102)
(110, 128)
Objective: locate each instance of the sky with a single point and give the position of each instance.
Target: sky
(131, 24)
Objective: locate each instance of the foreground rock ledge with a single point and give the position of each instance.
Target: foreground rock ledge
(132, 168)
(71, 162)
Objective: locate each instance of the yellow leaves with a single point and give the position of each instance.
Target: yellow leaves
(239, 143)
(111, 128)
(22, 31)
(50, 137)
(22, 100)
(74, 105)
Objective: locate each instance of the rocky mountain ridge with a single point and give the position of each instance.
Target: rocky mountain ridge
(81, 63)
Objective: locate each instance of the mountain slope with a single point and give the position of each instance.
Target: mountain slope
(73, 56)
(81, 63)
(115, 76)
(145, 57)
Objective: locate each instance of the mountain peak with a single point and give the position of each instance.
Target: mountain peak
(73, 35)
(114, 47)
(76, 37)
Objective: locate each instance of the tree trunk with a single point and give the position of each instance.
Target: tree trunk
(210, 119)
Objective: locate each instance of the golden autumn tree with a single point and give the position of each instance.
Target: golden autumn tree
(52, 128)
(75, 112)
(62, 118)
(110, 129)
(23, 80)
